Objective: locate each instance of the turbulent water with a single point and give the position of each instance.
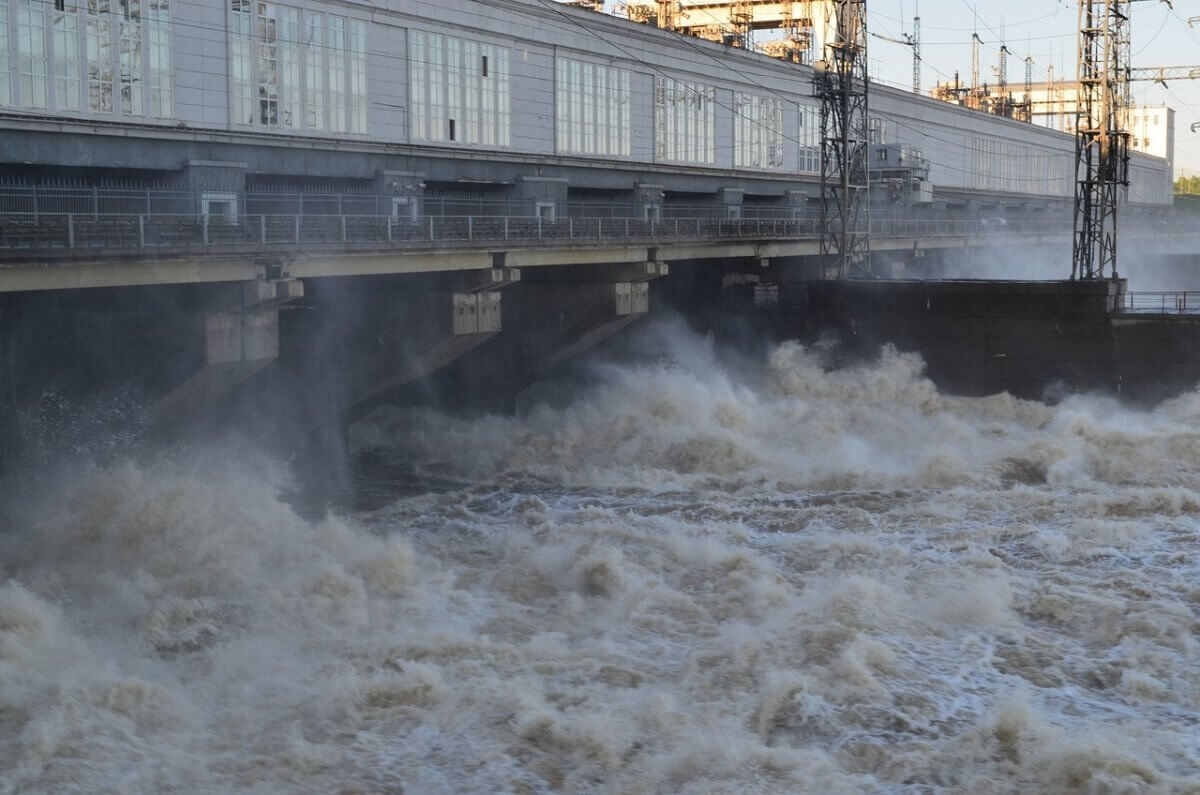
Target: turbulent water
(689, 578)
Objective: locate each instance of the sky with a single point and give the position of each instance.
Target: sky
(1044, 29)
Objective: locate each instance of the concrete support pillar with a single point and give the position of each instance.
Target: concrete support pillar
(238, 343)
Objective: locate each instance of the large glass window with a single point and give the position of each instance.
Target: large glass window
(593, 104)
(88, 55)
(314, 71)
(67, 73)
(684, 122)
(458, 90)
(240, 67)
(31, 53)
(99, 57)
(5, 88)
(984, 173)
(337, 73)
(268, 65)
(358, 77)
(131, 57)
(160, 58)
(757, 132)
(810, 140)
(289, 67)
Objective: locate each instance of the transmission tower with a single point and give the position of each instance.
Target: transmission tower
(840, 81)
(1101, 143)
(975, 42)
(916, 45)
(1028, 100)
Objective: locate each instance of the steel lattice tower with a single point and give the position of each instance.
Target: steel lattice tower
(1101, 143)
(840, 81)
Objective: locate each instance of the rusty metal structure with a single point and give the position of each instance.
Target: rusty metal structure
(1101, 142)
(840, 82)
(736, 22)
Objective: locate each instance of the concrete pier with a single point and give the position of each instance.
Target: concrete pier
(1033, 339)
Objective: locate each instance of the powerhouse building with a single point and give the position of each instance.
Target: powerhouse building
(525, 105)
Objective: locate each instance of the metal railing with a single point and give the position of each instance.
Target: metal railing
(43, 231)
(1163, 303)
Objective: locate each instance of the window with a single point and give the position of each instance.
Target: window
(451, 96)
(684, 121)
(5, 88)
(31, 53)
(67, 75)
(241, 67)
(219, 207)
(875, 130)
(99, 57)
(337, 73)
(314, 74)
(160, 58)
(404, 209)
(358, 77)
(757, 132)
(810, 140)
(546, 211)
(268, 65)
(289, 67)
(983, 152)
(593, 103)
(130, 35)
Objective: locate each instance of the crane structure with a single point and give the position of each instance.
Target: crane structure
(1101, 142)
(840, 82)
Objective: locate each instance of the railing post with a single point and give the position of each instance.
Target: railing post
(677, 228)
(296, 219)
(262, 229)
(470, 227)
(431, 229)
(70, 230)
(343, 223)
(570, 228)
(35, 203)
(506, 227)
(205, 227)
(539, 227)
(389, 229)
(626, 228)
(141, 231)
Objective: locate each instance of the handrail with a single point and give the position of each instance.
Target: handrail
(88, 231)
(1179, 302)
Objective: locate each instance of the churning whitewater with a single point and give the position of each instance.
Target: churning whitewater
(690, 577)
